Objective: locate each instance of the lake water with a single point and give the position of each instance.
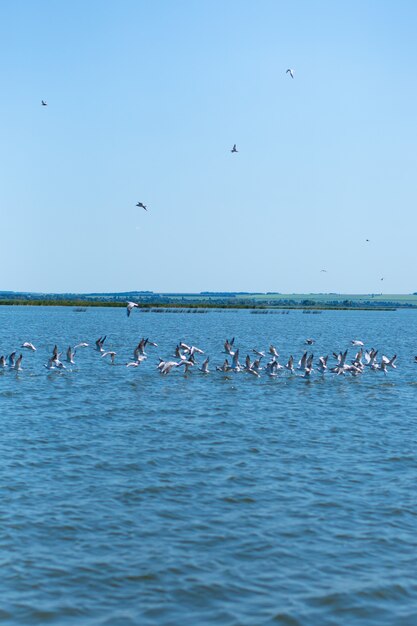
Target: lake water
(131, 498)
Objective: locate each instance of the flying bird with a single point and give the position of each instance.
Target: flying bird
(44, 103)
(323, 270)
(290, 72)
(130, 306)
(142, 206)
(29, 346)
(234, 149)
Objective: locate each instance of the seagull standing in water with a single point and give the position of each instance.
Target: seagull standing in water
(290, 72)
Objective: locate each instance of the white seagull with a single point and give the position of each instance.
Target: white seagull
(130, 306)
(28, 345)
(111, 354)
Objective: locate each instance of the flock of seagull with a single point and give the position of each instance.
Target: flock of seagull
(186, 355)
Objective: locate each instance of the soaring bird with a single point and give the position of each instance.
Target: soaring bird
(99, 343)
(142, 206)
(28, 345)
(290, 72)
(111, 354)
(234, 149)
(130, 306)
(44, 103)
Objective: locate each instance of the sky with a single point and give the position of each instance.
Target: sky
(145, 101)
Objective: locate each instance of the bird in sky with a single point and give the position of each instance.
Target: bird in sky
(367, 240)
(290, 72)
(142, 206)
(323, 270)
(382, 278)
(234, 149)
(44, 103)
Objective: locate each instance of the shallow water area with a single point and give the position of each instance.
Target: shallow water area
(134, 498)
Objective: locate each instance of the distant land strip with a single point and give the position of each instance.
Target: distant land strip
(215, 300)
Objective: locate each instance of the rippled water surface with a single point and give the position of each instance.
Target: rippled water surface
(132, 498)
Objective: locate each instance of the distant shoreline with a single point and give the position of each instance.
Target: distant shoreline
(150, 300)
(80, 305)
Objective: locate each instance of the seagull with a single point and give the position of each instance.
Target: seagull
(322, 365)
(44, 103)
(83, 344)
(204, 367)
(51, 364)
(234, 149)
(142, 206)
(99, 343)
(140, 349)
(70, 355)
(166, 366)
(228, 345)
(356, 342)
(134, 363)
(389, 362)
(323, 270)
(367, 240)
(111, 354)
(290, 72)
(290, 364)
(226, 366)
(29, 346)
(310, 342)
(18, 362)
(130, 306)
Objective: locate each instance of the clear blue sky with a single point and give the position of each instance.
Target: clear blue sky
(145, 100)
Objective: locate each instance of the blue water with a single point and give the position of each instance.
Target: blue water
(130, 498)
